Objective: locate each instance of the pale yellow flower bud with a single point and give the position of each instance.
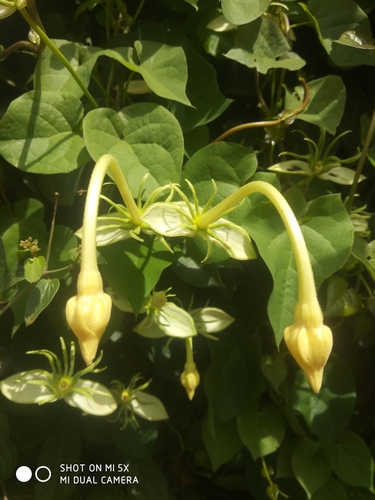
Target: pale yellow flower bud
(88, 317)
(190, 379)
(310, 343)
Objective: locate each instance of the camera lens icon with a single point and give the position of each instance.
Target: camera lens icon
(24, 474)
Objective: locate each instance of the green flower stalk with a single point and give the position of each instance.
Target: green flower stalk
(308, 339)
(88, 313)
(190, 376)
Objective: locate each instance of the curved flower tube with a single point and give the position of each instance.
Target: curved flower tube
(88, 313)
(309, 341)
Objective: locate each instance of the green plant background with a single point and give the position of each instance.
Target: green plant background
(254, 428)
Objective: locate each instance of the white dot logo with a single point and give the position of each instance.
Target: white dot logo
(42, 474)
(23, 474)
(49, 474)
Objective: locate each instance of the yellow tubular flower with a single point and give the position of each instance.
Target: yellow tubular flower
(308, 339)
(88, 313)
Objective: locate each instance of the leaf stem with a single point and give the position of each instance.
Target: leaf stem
(49, 246)
(361, 162)
(17, 297)
(269, 123)
(43, 36)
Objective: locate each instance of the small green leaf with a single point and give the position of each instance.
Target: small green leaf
(243, 11)
(262, 431)
(34, 268)
(39, 298)
(357, 40)
(310, 466)
(163, 68)
(38, 133)
(326, 104)
(351, 461)
(262, 45)
(341, 300)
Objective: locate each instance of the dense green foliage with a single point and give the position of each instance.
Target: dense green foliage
(281, 92)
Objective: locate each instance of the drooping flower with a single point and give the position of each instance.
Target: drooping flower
(133, 401)
(319, 163)
(41, 386)
(181, 218)
(165, 318)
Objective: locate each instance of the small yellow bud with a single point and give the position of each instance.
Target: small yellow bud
(190, 379)
(310, 343)
(88, 317)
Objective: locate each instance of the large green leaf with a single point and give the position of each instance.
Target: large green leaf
(51, 73)
(310, 466)
(228, 164)
(62, 445)
(224, 380)
(203, 93)
(328, 413)
(261, 430)
(243, 11)
(224, 444)
(326, 104)
(38, 133)
(262, 45)
(332, 19)
(144, 138)
(351, 461)
(328, 233)
(163, 68)
(8, 458)
(133, 268)
(331, 489)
